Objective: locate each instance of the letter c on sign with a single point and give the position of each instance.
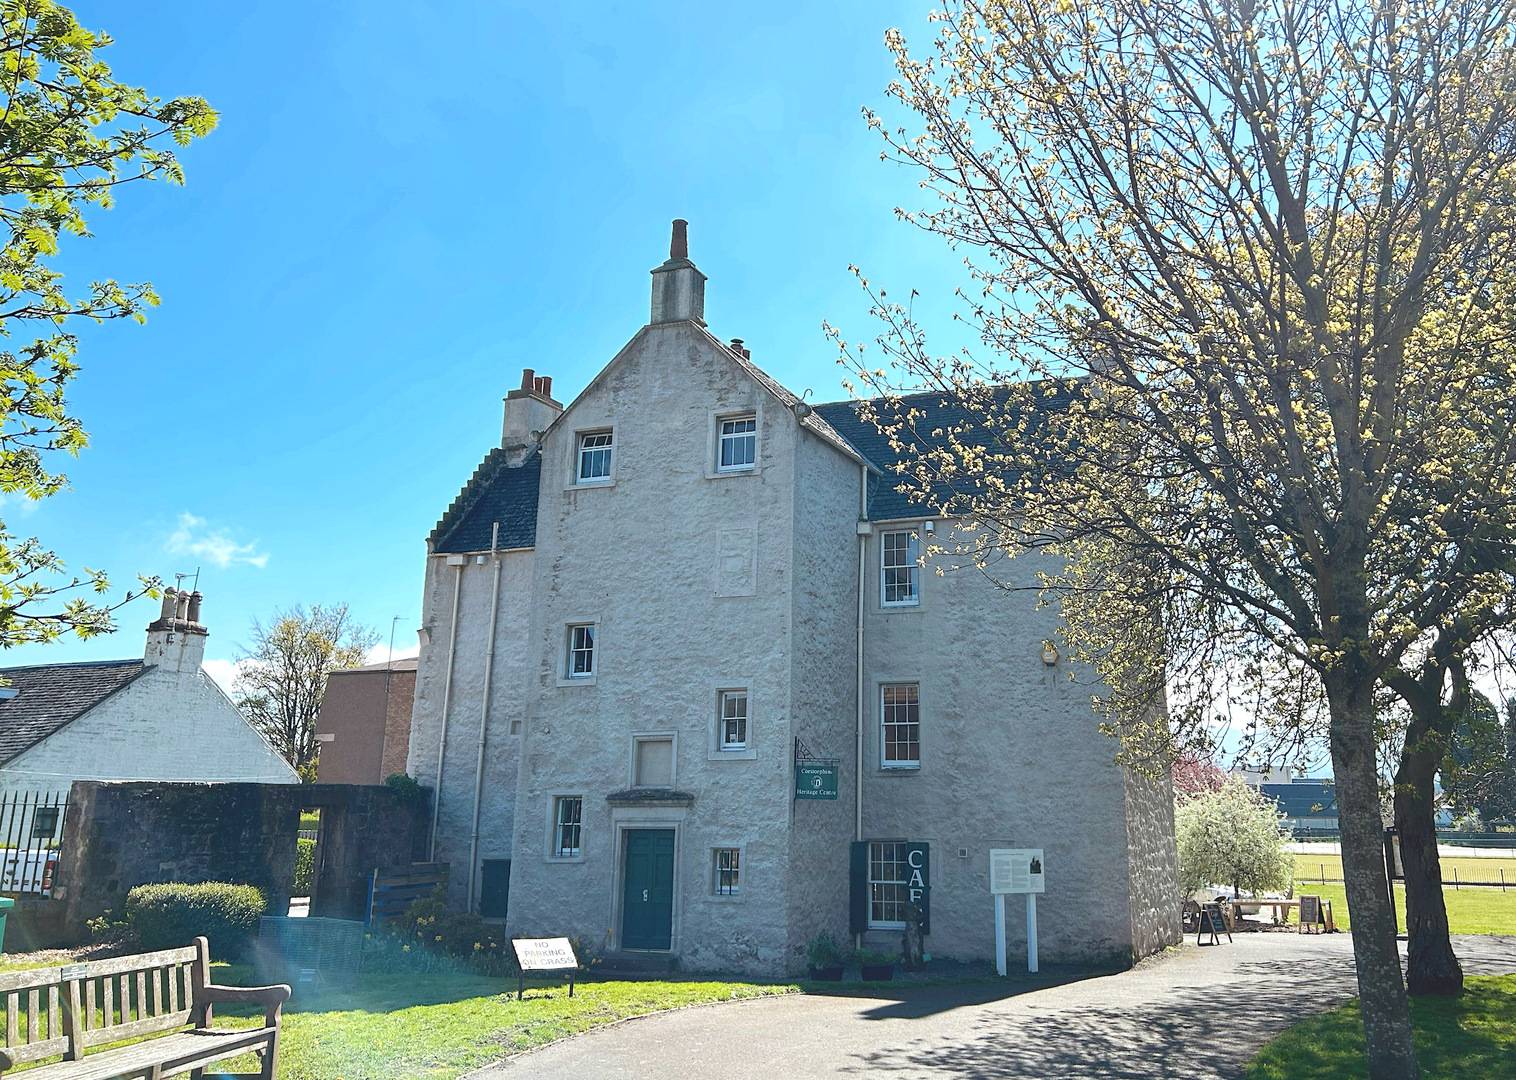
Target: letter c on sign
(914, 859)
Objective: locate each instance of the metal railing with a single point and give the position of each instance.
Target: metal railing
(31, 832)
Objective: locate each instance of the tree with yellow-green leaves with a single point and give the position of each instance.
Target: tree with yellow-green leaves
(70, 135)
(1243, 274)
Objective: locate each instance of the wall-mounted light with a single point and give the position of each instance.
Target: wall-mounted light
(1049, 653)
(425, 634)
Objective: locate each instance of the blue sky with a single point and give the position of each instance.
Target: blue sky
(406, 204)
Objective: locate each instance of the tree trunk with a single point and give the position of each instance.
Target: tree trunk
(1381, 991)
(1431, 968)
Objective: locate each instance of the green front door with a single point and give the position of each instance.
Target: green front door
(647, 898)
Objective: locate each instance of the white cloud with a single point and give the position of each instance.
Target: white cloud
(380, 654)
(224, 672)
(196, 537)
(18, 505)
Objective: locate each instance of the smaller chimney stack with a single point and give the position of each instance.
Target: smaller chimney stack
(176, 638)
(528, 409)
(679, 242)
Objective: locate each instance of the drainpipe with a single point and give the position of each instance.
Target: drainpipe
(484, 715)
(863, 542)
(447, 697)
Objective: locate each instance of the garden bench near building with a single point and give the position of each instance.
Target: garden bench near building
(163, 998)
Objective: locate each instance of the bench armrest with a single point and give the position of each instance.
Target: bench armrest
(267, 996)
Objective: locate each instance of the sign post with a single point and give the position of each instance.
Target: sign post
(543, 954)
(1016, 870)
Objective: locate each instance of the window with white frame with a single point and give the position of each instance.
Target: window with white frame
(568, 826)
(594, 456)
(900, 726)
(738, 445)
(732, 718)
(728, 871)
(889, 895)
(580, 663)
(900, 576)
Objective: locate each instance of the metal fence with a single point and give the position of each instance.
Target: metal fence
(1486, 877)
(31, 831)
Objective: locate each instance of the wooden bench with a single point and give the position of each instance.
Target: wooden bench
(70, 1010)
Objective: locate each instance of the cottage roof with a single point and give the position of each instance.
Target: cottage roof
(937, 413)
(498, 491)
(37, 701)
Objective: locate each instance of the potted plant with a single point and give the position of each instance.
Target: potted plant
(825, 958)
(876, 966)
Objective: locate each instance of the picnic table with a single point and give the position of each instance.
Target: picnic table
(1280, 909)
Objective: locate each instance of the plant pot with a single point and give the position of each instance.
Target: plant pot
(878, 972)
(827, 974)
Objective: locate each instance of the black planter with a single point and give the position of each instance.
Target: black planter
(878, 972)
(827, 974)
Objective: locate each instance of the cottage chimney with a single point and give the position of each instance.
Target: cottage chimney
(176, 638)
(678, 287)
(528, 412)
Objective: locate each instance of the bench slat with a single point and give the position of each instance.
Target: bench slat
(109, 1016)
(35, 1051)
(23, 980)
(151, 1025)
(33, 1014)
(176, 1053)
(90, 997)
(12, 1023)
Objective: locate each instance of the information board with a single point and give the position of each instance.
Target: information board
(544, 954)
(1016, 870)
(815, 780)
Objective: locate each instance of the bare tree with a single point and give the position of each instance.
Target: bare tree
(1245, 272)
(281, 679)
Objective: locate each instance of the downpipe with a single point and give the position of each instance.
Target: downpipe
(447, 697)
(484, 716)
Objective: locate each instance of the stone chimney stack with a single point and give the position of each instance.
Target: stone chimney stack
(528, 412)
(176, 638)
(678, 287)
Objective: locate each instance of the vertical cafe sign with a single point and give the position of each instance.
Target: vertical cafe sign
(918, 881)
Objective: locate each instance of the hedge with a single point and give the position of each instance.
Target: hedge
(170, 916)
(305, 867)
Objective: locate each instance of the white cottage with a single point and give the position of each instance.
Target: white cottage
(689, 687)
(158, 718)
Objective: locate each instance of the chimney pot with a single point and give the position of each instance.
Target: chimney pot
(545, 386)
(181, 607)
(167, 613)
(194, 606)
(679, 242)
(528, 378)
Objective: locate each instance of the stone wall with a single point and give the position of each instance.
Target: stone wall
(117, 836)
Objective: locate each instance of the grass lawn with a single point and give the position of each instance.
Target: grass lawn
(1470, 911)
(437, 1027)
(1312, 867)
(1472, 1037)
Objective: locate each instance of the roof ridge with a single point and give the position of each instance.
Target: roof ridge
(71, 663)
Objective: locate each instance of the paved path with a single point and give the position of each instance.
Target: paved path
(1168, 1017)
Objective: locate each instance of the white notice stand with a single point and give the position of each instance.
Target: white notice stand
(1016, 870)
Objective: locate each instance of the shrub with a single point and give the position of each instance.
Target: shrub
(172, 915)
(823, 951)
(408, 788)
(305, 867)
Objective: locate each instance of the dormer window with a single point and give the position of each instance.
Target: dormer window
(737, 447)
(595, 451)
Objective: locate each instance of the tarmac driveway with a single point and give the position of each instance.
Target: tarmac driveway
(1195, 1012)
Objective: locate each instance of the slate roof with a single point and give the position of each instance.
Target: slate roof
(52, 695)
(1306, 799)
(496, 492)
(940, 413)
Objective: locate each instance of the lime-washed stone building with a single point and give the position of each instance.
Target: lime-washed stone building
(689, 685)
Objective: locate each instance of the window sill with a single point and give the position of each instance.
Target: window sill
(588, 485)
(901, 605)
(563, 858)
(726, 898)
(899, 770)
(722, 474)
(731, 755)
(587, 680)
(886, 926)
